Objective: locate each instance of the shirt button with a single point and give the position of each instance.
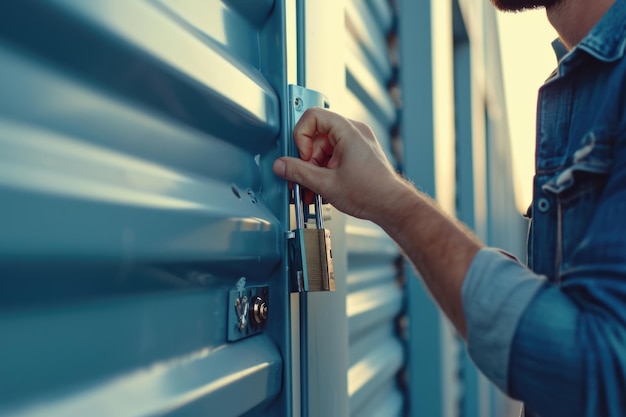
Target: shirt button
(543, 205)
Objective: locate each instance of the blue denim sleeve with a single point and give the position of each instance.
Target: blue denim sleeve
(569, 353)
(496, 292)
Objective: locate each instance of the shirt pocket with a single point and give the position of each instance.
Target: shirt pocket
(578, 188)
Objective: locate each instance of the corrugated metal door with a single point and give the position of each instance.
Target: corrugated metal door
(375, 289)
(136, 142)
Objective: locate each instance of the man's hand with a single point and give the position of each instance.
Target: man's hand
(342, 161)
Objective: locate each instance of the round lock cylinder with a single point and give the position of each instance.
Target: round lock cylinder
(259, 310)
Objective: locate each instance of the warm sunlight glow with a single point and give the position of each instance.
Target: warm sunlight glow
(527, 60)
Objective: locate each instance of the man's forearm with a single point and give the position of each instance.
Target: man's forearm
(440, 248)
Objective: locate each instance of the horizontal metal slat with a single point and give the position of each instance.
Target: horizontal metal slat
(369, 273)
(218, 23)
(101, 190)
(383, 12)
(136, 50)
(375, 370)
(357, 52)
(148, 355)
(387, 402)
(176, 214)
(196, 383)
(366, 238)
(255, 12)
(31, 93)
(219, 19)
(371, 91)
(364, 27)
(365, 76)
(364, 343)
(358, 111)
(99, 222)
(367, 307)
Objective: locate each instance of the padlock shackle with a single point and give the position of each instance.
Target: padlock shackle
(319, 214)
(299, 208)
(297, 199)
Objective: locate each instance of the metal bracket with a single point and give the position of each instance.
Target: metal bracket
(248, 310)
(300, 99)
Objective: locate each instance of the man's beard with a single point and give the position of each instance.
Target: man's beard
(519, 5)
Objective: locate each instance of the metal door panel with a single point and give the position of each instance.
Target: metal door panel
(375, 295)
(57, 178)
(136, 187)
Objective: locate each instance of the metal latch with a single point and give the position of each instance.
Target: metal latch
(310, 253)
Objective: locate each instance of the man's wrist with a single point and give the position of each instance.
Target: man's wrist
(398, 204)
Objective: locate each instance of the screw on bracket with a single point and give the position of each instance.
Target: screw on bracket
(297, 103)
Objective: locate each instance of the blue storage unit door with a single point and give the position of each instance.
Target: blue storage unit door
(375, 293)
(136, 193)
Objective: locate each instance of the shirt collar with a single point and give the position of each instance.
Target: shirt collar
(606, 41)
(559, 49)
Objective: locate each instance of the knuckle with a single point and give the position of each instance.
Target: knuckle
(311, 111)
(366, 130)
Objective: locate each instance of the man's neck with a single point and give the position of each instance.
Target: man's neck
(573, 19)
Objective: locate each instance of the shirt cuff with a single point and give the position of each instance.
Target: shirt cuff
(496, 291)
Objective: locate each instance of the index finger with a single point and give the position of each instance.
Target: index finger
(320, 123)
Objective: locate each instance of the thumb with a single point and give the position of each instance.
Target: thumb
(304, 173)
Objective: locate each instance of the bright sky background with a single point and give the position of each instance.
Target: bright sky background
(527, 60)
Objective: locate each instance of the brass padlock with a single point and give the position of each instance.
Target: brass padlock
(311, 256)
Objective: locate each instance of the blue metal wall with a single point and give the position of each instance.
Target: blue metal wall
(375, 301)
(136, 143)
(136, 190)
(443, 380)
(471, 202)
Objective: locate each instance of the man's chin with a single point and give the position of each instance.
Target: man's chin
(521, 5)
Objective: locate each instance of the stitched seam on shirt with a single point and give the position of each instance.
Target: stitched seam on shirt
(559, 241)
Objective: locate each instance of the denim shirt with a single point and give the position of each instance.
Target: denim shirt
(554, 335)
